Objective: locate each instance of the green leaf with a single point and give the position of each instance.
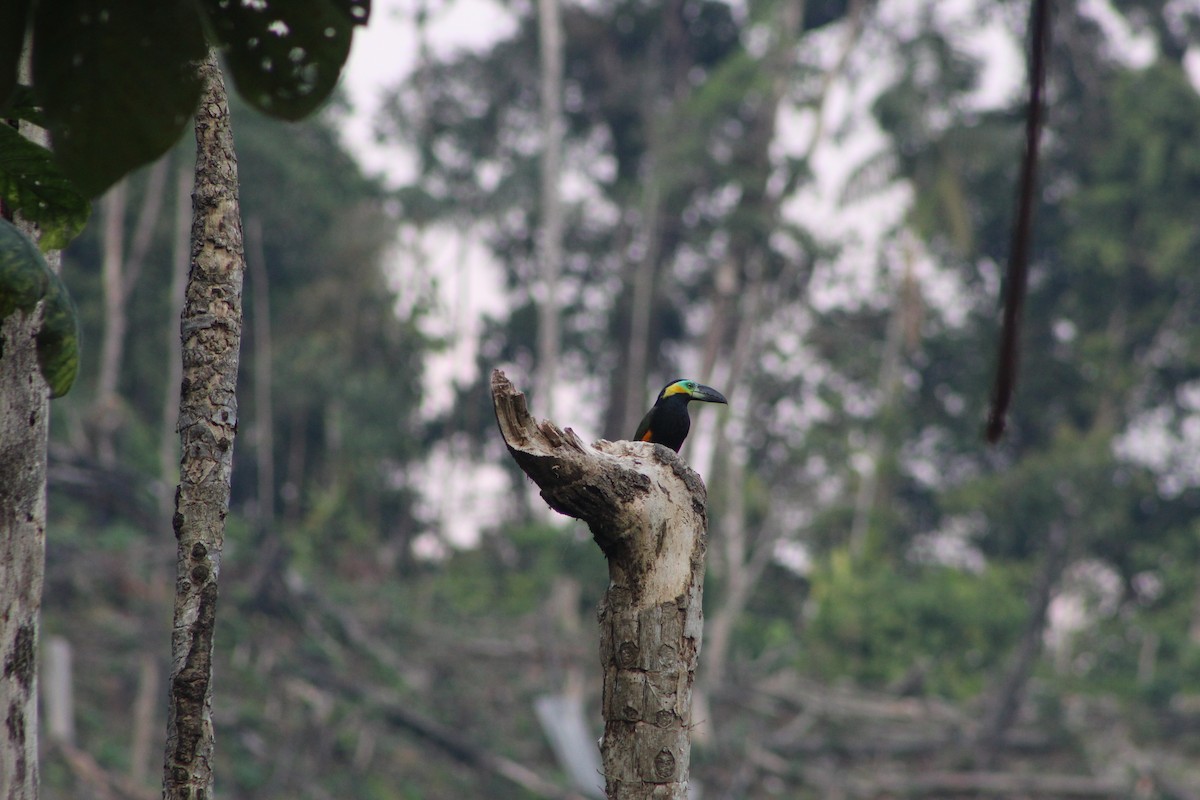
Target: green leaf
(23, 272)
(25, 278)
(13, 16)
(32, 183)
(117, 80)
(285, 57)
(58, 339)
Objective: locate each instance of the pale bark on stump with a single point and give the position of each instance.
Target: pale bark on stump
(24, 425)
(211, 329)
(646, 510)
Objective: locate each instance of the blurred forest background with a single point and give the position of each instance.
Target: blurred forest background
(804, 204)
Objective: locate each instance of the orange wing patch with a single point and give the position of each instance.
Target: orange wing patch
(648, 436)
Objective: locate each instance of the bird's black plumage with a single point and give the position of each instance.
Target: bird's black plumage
(667, 422)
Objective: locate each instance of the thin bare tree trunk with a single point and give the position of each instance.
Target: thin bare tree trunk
(120, 272)
(550, 249)
(145, 704)
(905, 310)
(658, 100)
(24, 424)
(642, 303)
(58, 700)
(646, 510)
(211, 329)
(168, 453)
(264, 422)
(147, 221)
(1004, 701)
(743, 558)
(271, 553)
(106, 409)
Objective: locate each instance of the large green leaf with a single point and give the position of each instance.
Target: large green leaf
(117, 80)
(285, 56)
(13, 16)
(24, 276)
(32, 183)
(58, 339)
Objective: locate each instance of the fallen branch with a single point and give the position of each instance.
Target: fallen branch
(101, 784)
(995, 783)
(396, 713)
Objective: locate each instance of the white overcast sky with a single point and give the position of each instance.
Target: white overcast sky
(385, 51)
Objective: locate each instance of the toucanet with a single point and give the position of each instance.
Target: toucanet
(668, 421)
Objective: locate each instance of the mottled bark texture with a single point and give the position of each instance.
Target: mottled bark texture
(211, 331)
(24, 422)
(646, 511)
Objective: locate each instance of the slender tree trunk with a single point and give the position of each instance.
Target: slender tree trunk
(550, 249)
(211, 329)
(24, 423)
(147, 221)
(905, 313)
(58, 700)
(637, 356)
(121, 270)
(646, 511)
(264, 418)
(743, 557)
(145, 711)
(168, 453)
(1004, 700)
(271, 554)
(106, 409)
(658, 98)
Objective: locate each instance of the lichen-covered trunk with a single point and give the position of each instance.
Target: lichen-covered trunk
(211, 329)
(24, 423)
(646, 511)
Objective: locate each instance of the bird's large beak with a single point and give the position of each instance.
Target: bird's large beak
(707, 394)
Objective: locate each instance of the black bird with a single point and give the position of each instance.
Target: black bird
(667, 422)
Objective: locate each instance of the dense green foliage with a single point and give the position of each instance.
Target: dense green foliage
(116, 81)
(116, 85)
(31, 183)
(877, 625)
(26, 276)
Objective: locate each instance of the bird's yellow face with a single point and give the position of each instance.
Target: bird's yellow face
(680, 387)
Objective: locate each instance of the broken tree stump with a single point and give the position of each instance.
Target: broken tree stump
(646, 510)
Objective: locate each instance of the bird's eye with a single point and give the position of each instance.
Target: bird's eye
(691, 385)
